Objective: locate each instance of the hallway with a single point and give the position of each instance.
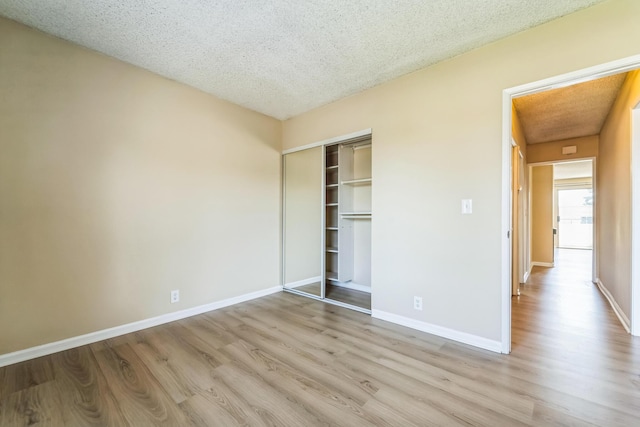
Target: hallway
(565, 328)
(563, 303)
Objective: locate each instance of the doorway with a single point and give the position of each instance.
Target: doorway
(575, 218)
(574, 205)
(561, 81)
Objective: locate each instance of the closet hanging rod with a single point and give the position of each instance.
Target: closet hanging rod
(358, 146)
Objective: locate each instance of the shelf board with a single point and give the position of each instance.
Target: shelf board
(332, 249)
(332, 167)
(332, 228)
(331, 204)
(332, 185)
(330, 275)
(361, 181)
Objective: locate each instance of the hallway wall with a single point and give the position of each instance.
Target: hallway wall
(613, 185)
(586, 147)
(524, 229)
(542, 215)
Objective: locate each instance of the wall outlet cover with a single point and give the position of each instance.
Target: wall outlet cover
(175, 296)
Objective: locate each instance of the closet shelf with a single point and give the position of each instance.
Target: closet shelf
(332, 249)
(332, 167)
(332, 185)
(361, 181)
(332, 228)
(331, 204)
(330, 275)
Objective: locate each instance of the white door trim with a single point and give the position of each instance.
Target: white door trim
(336, 139)
(635, 221)
(563, 80)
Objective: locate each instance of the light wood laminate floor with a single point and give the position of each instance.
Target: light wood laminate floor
(287, 360)
(340, 294)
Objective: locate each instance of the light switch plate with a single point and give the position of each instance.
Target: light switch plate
(467, 206)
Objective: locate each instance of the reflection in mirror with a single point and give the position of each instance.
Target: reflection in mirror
(303, 221)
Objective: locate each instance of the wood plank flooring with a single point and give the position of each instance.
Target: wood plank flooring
(348, 296)
(340, 294)
(286, 360)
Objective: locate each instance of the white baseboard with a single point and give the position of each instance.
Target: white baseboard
(626, 324)
(54, 347)
(353, 286)
(541, 264)
(463, 337)
(303, 282)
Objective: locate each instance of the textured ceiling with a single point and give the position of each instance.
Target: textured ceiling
(569, 112)
(284, 57)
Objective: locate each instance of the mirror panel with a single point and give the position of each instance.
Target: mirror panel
(302, 240)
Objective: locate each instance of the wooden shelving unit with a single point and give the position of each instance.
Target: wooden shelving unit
(332, 217)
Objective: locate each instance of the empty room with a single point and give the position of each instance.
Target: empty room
(218, 213)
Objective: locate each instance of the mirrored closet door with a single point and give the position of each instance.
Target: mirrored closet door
(342, 220)
(302, 216)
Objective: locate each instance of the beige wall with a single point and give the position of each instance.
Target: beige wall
(613, 204)
(542, 214)
(437, 135)
(586, 147)
(117, 186)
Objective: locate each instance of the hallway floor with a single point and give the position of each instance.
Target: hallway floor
(572, 340)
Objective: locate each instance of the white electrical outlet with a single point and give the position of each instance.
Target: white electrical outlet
(175, 296)
(417, 303)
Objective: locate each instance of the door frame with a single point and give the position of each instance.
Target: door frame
(635, 219)
(323, 143)
(530, 166)
(555, 82)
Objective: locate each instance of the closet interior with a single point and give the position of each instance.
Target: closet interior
(344, 226)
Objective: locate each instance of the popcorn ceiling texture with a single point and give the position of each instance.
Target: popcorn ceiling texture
(284, 57)
(570, 112)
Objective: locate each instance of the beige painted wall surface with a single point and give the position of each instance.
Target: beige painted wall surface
(586, 147)
(117, 186)
(613, 205)
(542, 214)
(437, 135)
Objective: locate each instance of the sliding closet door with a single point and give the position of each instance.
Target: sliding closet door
(302, 228)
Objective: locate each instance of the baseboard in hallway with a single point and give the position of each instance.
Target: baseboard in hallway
(624, 320)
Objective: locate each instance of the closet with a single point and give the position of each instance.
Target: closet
(344, 227)
(348, 223)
